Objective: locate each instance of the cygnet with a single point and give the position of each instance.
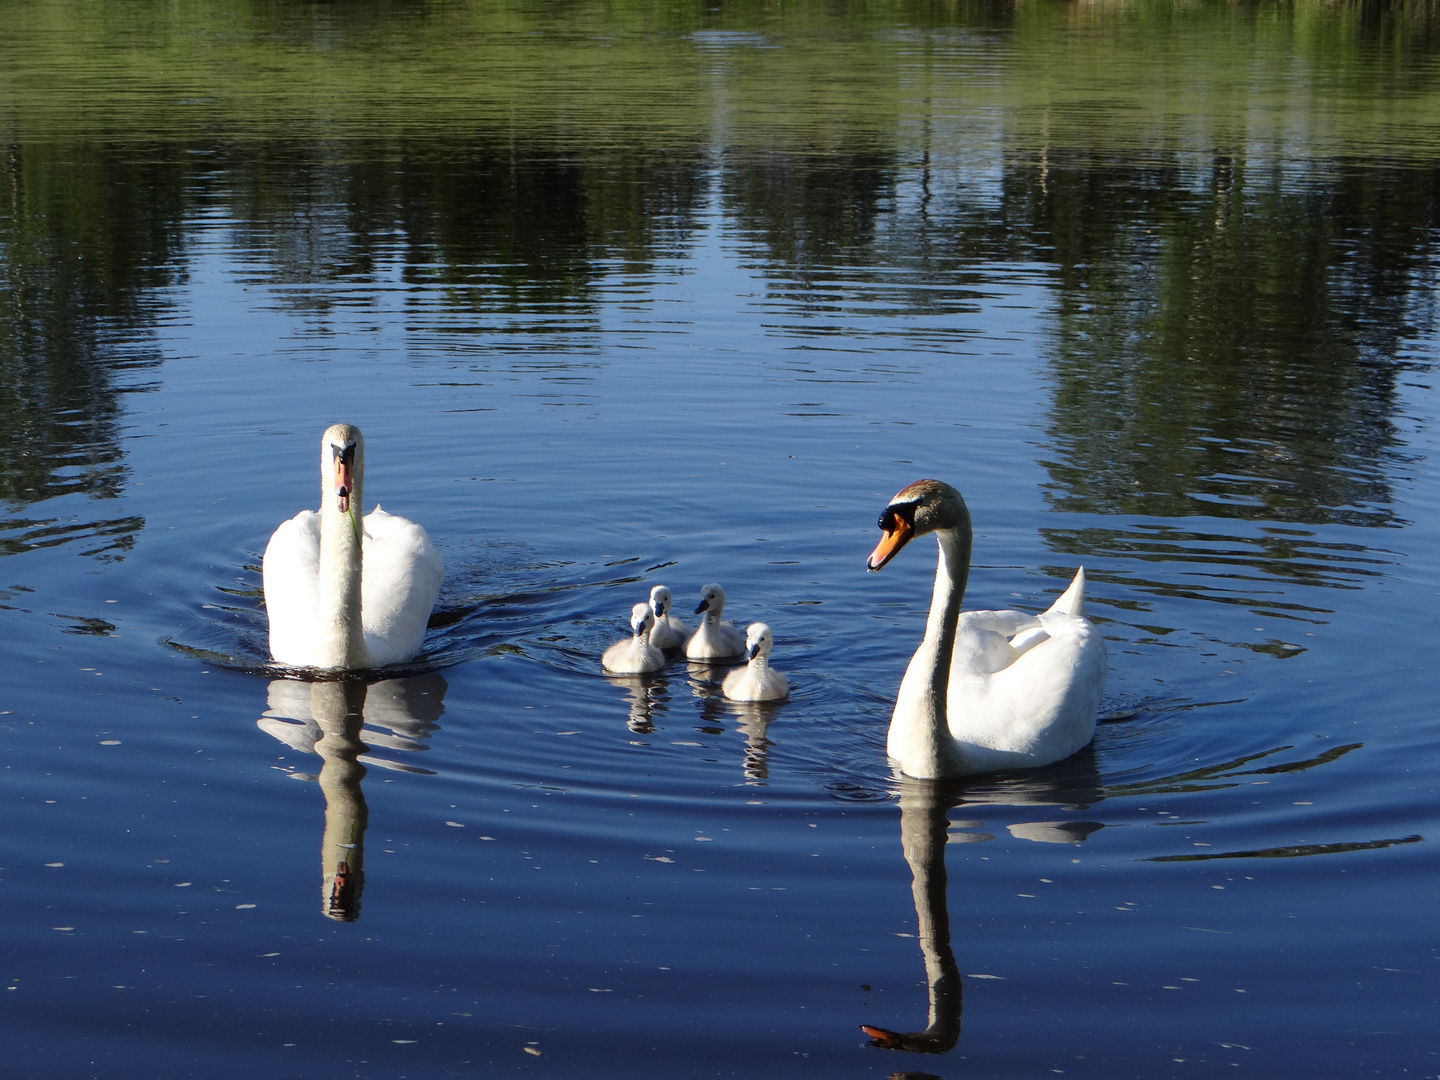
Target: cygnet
(669, 632)
(714, 640)
(757, 680)
(635, 655)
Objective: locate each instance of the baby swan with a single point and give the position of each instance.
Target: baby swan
(635, 655)
(714, 639)
(669, 632)
(757, 680)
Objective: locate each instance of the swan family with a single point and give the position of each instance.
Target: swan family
(985, 690)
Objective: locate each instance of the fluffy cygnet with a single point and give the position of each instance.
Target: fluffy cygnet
(714, 639)
(757, 680)
(635, 655)
(669, 632)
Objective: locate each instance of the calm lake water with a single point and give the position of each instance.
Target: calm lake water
(623, 296)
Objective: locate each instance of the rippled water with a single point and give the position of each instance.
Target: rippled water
(623, 298)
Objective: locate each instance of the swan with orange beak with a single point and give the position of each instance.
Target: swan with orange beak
(345, 591)
(986, 690)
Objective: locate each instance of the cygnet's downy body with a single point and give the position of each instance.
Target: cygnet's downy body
(757, 680)
(635, 655)
(670, 632)
(714, 640)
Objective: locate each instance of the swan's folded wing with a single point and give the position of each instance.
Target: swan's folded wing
(400, 580)
(291, 571)
(1051, 694)
(1008, 623)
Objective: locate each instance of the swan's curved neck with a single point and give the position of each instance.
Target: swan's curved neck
(342, 634)
(920, 736)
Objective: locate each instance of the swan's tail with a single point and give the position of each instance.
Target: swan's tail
(1072, 600)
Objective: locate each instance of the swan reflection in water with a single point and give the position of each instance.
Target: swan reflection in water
(925, 829)
(341, 721)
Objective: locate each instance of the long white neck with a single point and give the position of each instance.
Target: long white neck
(342, 635)
(920, 738)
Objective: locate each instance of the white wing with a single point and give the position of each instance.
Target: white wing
(291, 570)
(399, 581)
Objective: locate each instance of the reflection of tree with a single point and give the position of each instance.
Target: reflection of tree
(517, 234)
(329, 719)
(84, 231)
(1227, 345)
(813, 211)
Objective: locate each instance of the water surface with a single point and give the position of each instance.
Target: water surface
(622, 298)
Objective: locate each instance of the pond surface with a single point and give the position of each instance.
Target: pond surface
(623, 297)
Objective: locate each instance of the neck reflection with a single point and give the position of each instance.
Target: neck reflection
(329, 719)
(923, 828)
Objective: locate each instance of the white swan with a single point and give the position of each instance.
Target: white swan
(714, 639)
(986, 690)
(669, 632)
(635, 655)
(757, 680)
(342, 591)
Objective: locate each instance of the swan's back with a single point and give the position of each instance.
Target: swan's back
(1032, 699)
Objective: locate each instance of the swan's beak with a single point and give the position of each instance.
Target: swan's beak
(344, 476)
(704, 605)
(752, 650)
(892, 539)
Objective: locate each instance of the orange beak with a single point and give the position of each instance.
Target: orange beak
(343, 483)
(891, 541)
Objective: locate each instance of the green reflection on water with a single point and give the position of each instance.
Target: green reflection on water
(1236, 207)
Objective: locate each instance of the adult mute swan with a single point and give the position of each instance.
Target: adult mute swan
(757, 680)
(635, 655)
(714, 639)
(669, 632)
(986, 690)
(344, 591)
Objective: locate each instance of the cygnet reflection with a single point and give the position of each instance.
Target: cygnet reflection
(754, 723)
(330, 719)
(648, 695)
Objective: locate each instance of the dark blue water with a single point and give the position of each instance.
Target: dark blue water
(1210, 383)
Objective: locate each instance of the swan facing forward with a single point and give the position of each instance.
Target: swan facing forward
(986, 690)
(669, 632)
(714, 639)
(344, 591)
(757, 680)
(635, 655)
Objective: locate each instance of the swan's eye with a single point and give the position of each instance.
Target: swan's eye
(894, 515)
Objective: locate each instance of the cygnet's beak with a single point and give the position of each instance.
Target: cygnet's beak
(896, 532)
(752, 650)
(704, 605)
